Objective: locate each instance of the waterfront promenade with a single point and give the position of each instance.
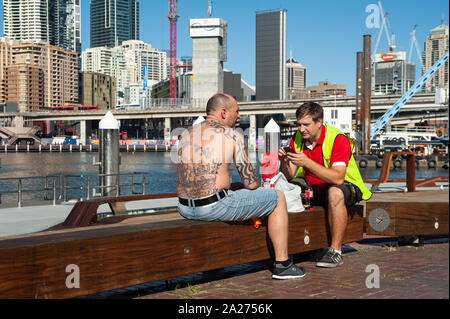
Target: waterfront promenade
(405, 272)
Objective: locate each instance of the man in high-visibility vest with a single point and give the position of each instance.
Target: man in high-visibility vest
(322, 156)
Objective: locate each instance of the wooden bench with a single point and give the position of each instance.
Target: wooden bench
(411, 213)
(124, 251)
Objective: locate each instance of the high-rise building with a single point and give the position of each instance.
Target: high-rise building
(24, 85)
(296, 79)
(5, 61)
(209, 51)
(65, 29)
(56, 22)
(271, 54)
(392, 74)
(132, 62)
(26, 20)
(435, 46)
(113, 21)
(58, 66)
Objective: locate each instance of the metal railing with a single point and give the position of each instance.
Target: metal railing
(104, 190)
(79, 187)
(417, 129)
(20, 191)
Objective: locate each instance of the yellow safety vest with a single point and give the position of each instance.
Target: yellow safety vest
(352, 174)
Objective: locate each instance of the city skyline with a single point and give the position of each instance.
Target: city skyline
(323, 37)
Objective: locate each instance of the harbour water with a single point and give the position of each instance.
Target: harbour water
(159, 169)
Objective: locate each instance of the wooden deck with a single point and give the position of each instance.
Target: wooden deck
(432, 196)
(122, 251)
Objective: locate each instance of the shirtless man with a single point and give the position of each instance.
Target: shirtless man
(205, 153)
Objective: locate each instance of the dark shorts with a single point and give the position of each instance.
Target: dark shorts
(352, 195)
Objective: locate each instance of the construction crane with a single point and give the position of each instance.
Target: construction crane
(209, 9)
(386, 117)
(384, 27)
(173, 17)
(414, 42)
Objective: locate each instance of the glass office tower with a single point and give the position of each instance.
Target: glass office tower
(271, 55)
(114, 21)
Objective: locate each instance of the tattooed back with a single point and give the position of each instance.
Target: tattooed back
(205, 152)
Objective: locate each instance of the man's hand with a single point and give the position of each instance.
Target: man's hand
(333, 175)
(298, 159)
(287, 167)
(282, 154)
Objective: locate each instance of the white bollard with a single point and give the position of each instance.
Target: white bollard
(109, 154)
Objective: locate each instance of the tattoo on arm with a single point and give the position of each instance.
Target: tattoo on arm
(247, 173)
(243, 165)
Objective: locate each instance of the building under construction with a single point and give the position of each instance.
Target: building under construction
(209, 48)
(392, 74)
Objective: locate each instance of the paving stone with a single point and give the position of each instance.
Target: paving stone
(405, 272)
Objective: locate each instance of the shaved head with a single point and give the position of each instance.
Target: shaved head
(217, 101)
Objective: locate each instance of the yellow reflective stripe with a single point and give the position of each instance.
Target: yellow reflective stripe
(298, 146)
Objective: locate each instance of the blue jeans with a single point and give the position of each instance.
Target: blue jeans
(238, 205)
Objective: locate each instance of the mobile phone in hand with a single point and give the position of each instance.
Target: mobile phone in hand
(288, 149)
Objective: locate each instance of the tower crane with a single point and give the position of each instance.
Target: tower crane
(209, 9)
(173, 17)
(384, 26)
(414, 42)
(386, 117)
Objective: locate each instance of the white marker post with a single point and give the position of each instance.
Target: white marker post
(109, 154)
(269, 163)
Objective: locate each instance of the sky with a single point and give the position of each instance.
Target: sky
(322, 35)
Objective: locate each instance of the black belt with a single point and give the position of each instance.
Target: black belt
(203, 201)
